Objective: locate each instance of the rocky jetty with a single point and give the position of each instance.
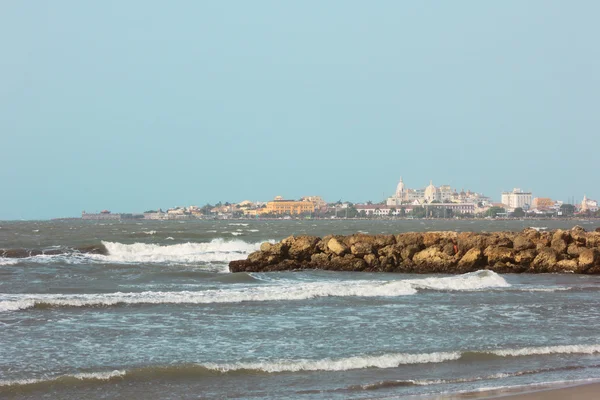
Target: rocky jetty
(530, 251)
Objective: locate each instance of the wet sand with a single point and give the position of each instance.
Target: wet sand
(589, 391)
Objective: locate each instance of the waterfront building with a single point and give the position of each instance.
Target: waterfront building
(385, 210)
(516, 198)
(430, 194)
(290, 207)
(316, 200)
(543, 203)
(588, 205)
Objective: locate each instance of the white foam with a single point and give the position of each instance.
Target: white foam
(236, 233)
(477, 280)
(342, 364)
(8, 261)
(149, 232)
(531, 351)
(12, 302)
(238, 224)
(277, 290)
(217, 250)
(101, 376)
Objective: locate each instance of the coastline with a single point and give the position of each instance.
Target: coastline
(586, 390)
(582, 391)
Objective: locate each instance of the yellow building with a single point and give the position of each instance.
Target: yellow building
(542, 203)
(280, 206)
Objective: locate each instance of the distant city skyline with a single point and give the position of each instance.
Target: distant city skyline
(134, 105)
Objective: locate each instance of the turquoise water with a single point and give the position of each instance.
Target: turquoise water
(161, 317)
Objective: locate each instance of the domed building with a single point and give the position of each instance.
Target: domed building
(399, 196)
(400, 189)
(431, 193)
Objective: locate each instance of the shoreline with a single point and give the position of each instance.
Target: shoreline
(579, 391)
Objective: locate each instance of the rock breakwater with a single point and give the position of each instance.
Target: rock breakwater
(531, 251)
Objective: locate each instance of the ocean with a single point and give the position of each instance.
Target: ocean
(161, 317)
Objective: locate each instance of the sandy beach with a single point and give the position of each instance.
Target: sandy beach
(588, 391)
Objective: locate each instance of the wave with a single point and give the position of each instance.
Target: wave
(64, 379)
(196, 370)
(217, 250)
(276, 291)
(428, 382)
(477, 280)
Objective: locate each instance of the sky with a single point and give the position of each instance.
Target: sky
(136, 105)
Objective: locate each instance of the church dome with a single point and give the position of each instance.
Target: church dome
(400, 188)
(431, 192)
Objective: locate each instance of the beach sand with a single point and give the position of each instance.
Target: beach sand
(589, 391)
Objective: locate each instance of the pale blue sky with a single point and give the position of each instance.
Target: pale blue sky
(131, 105)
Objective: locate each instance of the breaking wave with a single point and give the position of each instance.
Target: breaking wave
(64, 379)
(217, 250)
(285, 290)
(384, 361)
(477, 280)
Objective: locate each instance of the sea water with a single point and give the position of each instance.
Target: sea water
(160, 317)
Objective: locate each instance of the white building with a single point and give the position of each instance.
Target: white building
(516, 198)
(589, 205)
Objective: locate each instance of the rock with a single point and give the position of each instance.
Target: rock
(389, 251)
(376, 241)
(560, 241)
(468, 240)
(567, 266)
(409, 251)
(432, 260)
(574, 250)
(266, 246)
(448, 249)
(473, 259)
(496, 254)
(361, 249)
(348, 263)
(337, 247)
(521, 243)
(525, 257)
(319, 260)
(303, 247)
(588, 258)
(545, 261)
(593, 239)
(410, 239)
(388, 264)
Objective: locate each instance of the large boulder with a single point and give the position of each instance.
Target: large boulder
(545, 261)
(560, 241)
(336, 247)
(593, 239)
(361, 249)
(303, 247)
(499, 254)
(525, 257)
(522, 242)
(468, 240)
(410, 239)
(588, 258)
(473, 259)
(574, 250)
(432, 260)
(348, 263)
(409, 252)
(567, 266)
